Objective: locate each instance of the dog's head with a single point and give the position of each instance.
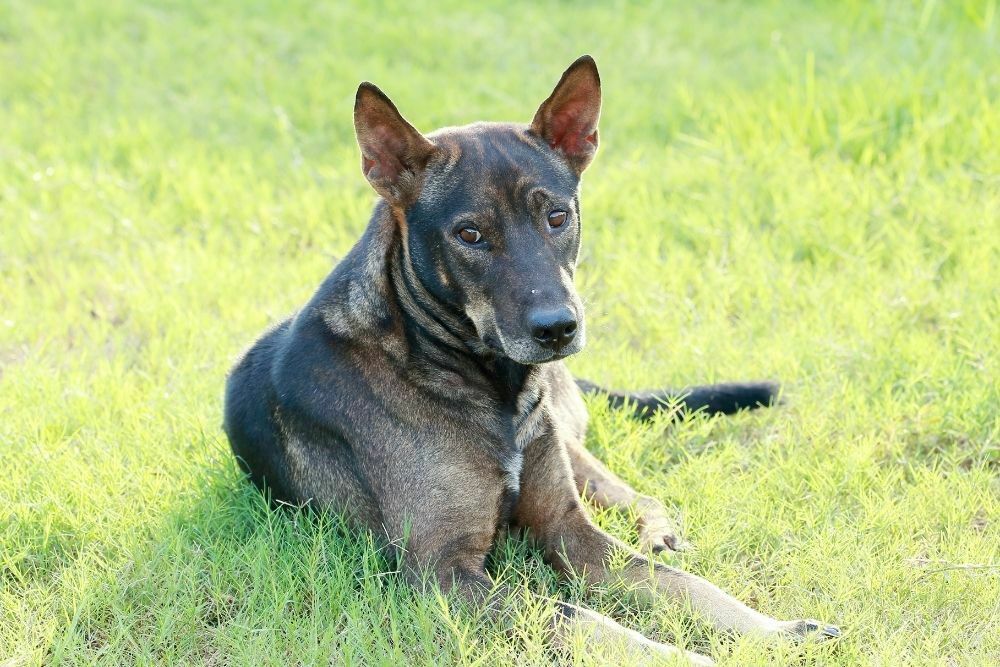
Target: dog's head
(490, 212)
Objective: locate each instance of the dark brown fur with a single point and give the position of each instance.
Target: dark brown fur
(421, 391)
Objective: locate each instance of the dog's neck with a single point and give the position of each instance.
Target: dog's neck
(426, 318)
(379, 299)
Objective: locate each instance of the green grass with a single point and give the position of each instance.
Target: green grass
(801, 191)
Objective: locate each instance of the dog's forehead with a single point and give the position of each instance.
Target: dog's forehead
(492, 161)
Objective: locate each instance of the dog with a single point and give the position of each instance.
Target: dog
(421, 392)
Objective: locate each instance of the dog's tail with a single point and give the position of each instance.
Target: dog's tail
(710, 399)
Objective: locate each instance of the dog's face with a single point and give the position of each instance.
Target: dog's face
(490, 212)
(496, 230)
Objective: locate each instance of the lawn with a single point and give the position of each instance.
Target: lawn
(802, 191)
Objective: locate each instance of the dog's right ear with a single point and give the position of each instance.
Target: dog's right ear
(393, 152)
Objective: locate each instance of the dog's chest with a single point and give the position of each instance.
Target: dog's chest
(527, 422)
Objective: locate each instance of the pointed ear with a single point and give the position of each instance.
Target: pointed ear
(393, 153)
(568, 119)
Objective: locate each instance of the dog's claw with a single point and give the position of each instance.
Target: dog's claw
(830, 631)
(677, 544)
(660, 538)
(660, 543)
(813, 629)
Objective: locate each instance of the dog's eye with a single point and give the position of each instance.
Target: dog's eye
(470, 235)
(557, 218)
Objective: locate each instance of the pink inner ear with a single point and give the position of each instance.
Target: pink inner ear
(386, 154)
(572, 127)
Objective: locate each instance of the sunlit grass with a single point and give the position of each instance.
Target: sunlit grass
(808, 192)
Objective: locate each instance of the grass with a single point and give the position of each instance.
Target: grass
(804, 191)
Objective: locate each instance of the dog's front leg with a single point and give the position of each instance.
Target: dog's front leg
(601, 632)
(596, 482)
(551, 510)
(605, 489)
(462, 573)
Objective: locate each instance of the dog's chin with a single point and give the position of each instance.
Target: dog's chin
(554, 356)
(531, 354)
(526, 352)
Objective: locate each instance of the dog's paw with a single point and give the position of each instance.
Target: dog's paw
(659, 534)
(809, 629)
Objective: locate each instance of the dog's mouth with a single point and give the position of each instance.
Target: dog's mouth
(527, 353)
(493, 343)
(521, 345)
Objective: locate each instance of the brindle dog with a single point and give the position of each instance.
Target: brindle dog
(422, 390)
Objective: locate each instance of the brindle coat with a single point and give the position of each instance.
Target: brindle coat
(421, 391)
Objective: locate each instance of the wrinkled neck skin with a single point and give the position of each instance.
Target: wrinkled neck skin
(378, 299)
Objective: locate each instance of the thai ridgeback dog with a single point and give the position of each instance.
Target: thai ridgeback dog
(422, 390)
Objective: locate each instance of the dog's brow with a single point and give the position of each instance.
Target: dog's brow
(452, 154)
(483, 215)
(443, 176)
(539, 193)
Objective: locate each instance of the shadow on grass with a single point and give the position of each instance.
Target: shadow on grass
(224, 575)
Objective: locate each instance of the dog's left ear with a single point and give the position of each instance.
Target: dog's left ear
(567, 120)
(393, 153)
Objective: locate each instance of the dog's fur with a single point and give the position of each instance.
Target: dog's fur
(421, 391)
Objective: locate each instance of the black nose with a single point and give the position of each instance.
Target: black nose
(554, 329)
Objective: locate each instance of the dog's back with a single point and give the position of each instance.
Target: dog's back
(250, 404)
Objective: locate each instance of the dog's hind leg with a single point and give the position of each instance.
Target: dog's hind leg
(605, 489)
